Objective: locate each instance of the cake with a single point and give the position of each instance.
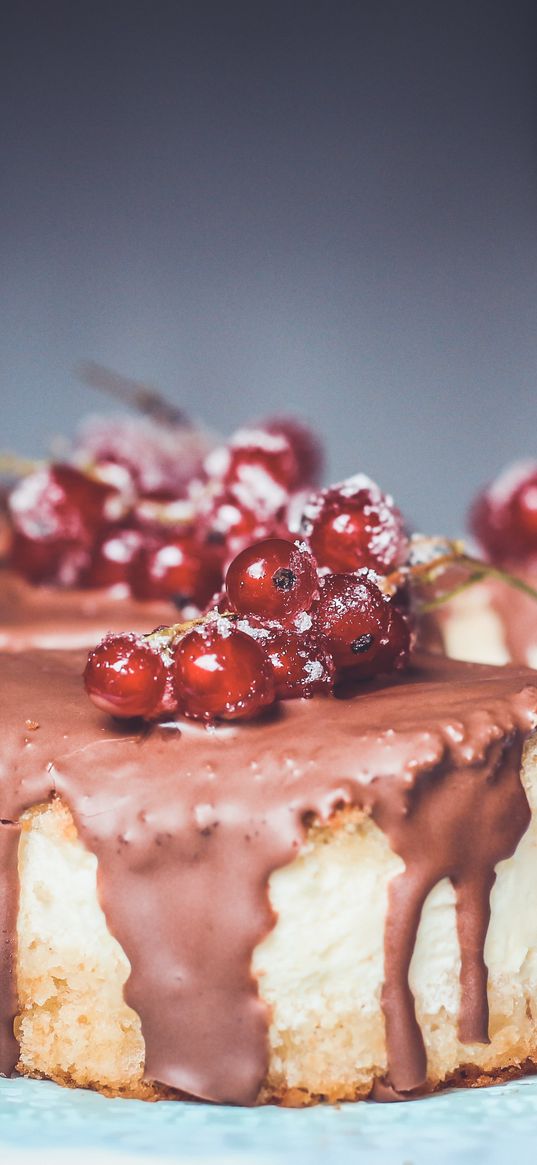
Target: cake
(333, 901)
(278, 855)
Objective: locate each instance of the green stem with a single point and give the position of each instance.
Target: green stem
(446, 597)
(479, 572)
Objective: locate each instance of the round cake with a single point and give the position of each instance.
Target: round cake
(332, 901)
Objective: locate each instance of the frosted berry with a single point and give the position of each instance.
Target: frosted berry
(221, 673)
(125, 676)
(179, 568)
(61, 511)
(231, 519)
(504, 517)
(354, 525)
(275, 579)
(306, 448)
(358, 622)
(111, 559)
(302, 662)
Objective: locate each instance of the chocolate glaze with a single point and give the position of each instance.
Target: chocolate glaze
(49, 617)
(188, 823)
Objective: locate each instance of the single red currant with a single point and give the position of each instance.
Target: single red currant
(259, 467)
(229, 522)
(305, 445)
(394, 650)
(111, 559)
(358, 622)
(302, 662)
(177, 568)
(503, 519)
(276, 579)
(221, 673)
(353, 525)
(125, 676)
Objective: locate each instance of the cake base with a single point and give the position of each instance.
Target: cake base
(320, 969)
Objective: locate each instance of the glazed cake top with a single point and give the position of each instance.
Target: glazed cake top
(188, 822)
(48, 617)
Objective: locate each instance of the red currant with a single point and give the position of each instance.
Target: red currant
(111, 559)
(358, 622)
(305, 446)
(125, 676)
(221, 673)
(354, 525)
(260, 466)
(275, 578)
(178, 568)
(231, 522)
(302, 661)
(62, 510)
(504, 517)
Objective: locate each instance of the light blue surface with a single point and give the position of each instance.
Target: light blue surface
(493, 1125)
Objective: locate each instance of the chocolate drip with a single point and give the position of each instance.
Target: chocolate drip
(188, 825)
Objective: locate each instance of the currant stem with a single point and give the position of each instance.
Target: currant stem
(14, 465)
(478, 572)
(177, 630)
(139, 396)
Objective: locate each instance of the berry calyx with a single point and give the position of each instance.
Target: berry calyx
(221, 673)
(125, 676)
(275, 579)
(354, 525)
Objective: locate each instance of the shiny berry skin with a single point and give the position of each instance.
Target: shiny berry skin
(353, 525)
(111, 559)
(125, 676)
(178, 568)
(358, 621)
(394, 651)
(302, 662)
(221, 673)
(275, 579)
(503, 519)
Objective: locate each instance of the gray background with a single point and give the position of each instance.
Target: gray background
(327, 207)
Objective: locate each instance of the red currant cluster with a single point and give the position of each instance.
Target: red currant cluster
(126, 519)
(503, 519)
(284, 626)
